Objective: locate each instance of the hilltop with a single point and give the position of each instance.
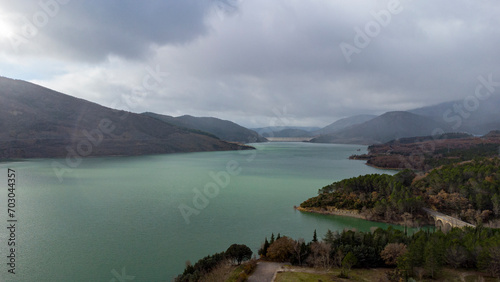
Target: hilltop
(343, 123)
(223, 129)
(452, 116)
(38, 122)
(381, 129)
(478, 119)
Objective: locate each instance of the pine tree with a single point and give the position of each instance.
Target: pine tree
(347, 263)
(433, 257)
(329, 237)
(315, 237)
(272, 239)
(495, 200)
(263, 250)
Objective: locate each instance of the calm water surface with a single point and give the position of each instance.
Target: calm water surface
(119, 216)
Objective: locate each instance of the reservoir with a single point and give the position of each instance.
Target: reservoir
(144, 217)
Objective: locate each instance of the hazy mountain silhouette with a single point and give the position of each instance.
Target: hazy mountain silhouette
(389, 126)
(343, 123)
(286, 131)
(470, 115)
(289, 132)
(223, 129)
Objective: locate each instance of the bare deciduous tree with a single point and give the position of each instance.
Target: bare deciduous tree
(320, 255)
(392, 252)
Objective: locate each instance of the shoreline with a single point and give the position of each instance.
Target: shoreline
(382, 168)
(333, 211)
(366, 159)
(356, 214)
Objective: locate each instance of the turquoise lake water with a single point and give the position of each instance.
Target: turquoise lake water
(121, 216)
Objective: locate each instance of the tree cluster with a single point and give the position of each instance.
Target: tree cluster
(423, 253)
(469, 248)
(379, 196)
(468, 190)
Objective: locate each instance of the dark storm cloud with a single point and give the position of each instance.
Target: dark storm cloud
(92, 30)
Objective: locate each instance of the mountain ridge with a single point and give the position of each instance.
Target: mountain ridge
(477, 118)
(39, 122)
(384, 128)
(223, 129)
(343, 123)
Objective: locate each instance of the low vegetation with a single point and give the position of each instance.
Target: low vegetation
(428, 152)
(214, 267)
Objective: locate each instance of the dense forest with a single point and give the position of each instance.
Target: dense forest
(468, 190)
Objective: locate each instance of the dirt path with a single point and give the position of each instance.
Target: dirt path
(265, 271)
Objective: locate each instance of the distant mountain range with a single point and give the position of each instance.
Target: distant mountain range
(223, 129)
(389, 126)
(343, 123)
(286, 131)
(472, 116)
(38, 122)
(298, 131)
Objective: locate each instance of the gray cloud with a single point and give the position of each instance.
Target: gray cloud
(242, 60)
(92, 30)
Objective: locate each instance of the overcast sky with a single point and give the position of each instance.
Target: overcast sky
(255, 62)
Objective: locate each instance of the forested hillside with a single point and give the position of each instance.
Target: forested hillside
(468, 190)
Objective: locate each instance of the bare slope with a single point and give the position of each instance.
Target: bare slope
(38, 122)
